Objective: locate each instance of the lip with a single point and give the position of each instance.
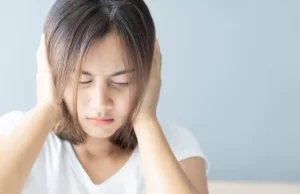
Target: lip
(100, 121)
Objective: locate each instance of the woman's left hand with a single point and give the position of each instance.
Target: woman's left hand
(148, 107)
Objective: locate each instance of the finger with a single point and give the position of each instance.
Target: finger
(160, 61)
(158, 56)
(156, 47)
(38, 54)
(42, 57)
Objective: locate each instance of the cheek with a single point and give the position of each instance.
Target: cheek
(126, 103)
(69, 100)
(82, 98)
(123, 104)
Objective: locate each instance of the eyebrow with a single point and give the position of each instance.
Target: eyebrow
(123, 72)
(113, 75)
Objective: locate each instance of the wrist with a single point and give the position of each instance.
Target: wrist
(144, 117)
(51, 111)
(143, 121)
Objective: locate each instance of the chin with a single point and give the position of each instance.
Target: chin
(100, 132)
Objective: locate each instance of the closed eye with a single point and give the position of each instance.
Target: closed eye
(86, 82)
(121, 83)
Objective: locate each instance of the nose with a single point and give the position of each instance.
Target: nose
(101, 100)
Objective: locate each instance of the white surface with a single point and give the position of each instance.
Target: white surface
(219, 187)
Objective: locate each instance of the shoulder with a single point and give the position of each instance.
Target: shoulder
(183, 143)
(12, 116)
(53, 145)
(9, 121)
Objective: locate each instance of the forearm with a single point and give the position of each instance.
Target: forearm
(20, 149)
(163, 174)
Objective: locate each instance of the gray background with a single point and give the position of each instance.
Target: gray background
(230, 75)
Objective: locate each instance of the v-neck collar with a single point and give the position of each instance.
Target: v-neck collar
(111, 181)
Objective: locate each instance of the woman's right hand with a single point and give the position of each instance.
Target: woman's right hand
(46, 92)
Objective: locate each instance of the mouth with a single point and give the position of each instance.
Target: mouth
(100, 121)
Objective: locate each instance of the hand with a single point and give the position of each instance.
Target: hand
(46, 93)
(150, 100)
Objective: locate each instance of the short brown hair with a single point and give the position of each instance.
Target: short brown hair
(70, 29)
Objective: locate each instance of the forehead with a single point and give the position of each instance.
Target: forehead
(105, 53)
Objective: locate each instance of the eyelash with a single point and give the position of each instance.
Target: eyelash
(120, 84)
(87, 82)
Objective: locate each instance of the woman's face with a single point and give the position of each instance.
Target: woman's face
(103, 100)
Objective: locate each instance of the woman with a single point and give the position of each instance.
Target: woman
(94, 128)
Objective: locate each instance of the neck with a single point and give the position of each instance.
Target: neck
(95, 149)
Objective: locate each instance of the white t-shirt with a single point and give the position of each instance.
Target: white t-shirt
(58, 171)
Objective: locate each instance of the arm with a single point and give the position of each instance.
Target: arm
(19, 150)
(163, 173)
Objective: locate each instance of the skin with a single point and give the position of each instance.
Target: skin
(105, 95)
(101, 97)
(101, 93)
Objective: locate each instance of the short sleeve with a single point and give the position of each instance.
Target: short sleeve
(9, 121)
(184, 144)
